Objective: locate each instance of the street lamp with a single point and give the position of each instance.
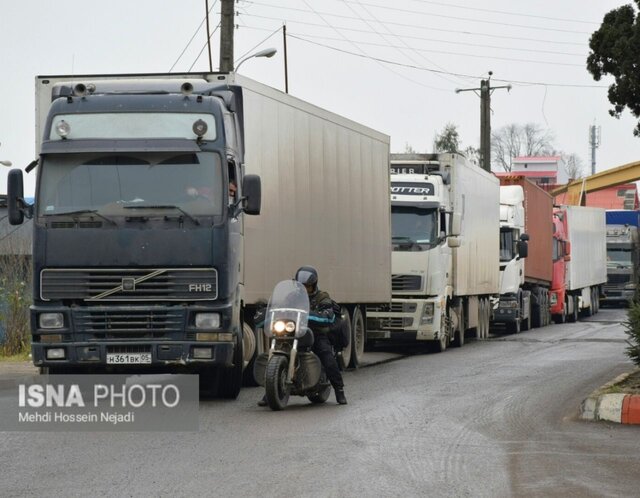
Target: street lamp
(267, 52)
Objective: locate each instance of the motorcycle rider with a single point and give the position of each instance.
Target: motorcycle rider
(321, 315)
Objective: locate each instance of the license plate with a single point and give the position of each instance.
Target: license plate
(128, 358)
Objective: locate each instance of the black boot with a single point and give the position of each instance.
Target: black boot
(263, 401)
(340, 397)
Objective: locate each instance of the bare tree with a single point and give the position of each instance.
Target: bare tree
(517, 140)
(408, 149)
(573, 166)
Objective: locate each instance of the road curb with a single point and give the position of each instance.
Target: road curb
(620, 408)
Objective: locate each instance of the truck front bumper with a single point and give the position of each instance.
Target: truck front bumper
(405, 319)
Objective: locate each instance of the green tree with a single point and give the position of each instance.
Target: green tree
(448, 140)
(615, 50)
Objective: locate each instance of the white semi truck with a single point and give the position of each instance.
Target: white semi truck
(132, 267)
(445, 218)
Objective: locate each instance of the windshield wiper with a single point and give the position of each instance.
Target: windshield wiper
(400, 238)
(164, 206)
(82, 211)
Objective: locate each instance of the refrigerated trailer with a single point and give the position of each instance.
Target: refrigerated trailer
(445, 224)
(144, 256)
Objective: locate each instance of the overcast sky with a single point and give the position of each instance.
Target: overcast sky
(393, 66)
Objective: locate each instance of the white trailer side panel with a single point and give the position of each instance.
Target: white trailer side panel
(476, 262)
(587, 233)
(325, 199)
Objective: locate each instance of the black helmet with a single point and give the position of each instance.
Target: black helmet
(308, 275)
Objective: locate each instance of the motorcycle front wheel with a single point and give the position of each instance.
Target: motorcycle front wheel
(277, 389)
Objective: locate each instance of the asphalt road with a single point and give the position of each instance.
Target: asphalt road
(494, 418)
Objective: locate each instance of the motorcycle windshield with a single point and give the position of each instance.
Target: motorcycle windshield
(289, 303)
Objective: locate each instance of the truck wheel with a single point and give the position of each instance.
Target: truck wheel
(487, 318)
(277, 390)
(230, 380)
(458, 335)
(346, 352)
(572, 317)
(358, 337)
(560, 317)
(250, 343)
(526, 324)
(513, 327)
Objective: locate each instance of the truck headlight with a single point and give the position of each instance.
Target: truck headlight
(51, 321)
(509, 304)
(630, 286)
(427, 313)
(207, 320)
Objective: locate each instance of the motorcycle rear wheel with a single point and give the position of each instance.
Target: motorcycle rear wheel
(276, 387)
(322, 394)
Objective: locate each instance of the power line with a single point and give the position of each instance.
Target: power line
(256, 46)
(421, 27)
(396, 9)
(517, 14)
(491, 57)
(398, 37)
(192, 38)
(363, 53)
(203, 47)
(461, 75)
(328, 38)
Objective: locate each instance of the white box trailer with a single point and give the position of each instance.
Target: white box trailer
(587, 233)
(325, 188)
(476, 198)
(445, 263)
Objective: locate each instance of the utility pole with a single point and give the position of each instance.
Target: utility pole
(226, 36)
(286, 73)
(485, 117)
(206, 6)
(594, 142)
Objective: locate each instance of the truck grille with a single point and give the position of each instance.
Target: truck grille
(140, 284)
(133, 323)
(393, 308)
(406, 283)
(395, 323)
(619, 278)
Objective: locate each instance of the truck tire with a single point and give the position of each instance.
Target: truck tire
(458, 335)
(276, 388)
(572, 316)
(487, 317)
(560, 317)
(358, 337)
(230, 381)
(346, 352)
(514, 327)
(250, 340)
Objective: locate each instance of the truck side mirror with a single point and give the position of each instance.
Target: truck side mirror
(456, 225)
(252, 191)
(15, 197)
(523, 248)
(524, 237)
(453, 241)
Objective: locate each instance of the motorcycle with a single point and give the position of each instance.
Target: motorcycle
(290, 367)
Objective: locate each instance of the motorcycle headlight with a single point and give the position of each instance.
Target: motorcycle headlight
(282, 327)
(279, 327)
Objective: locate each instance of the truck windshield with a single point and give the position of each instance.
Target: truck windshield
(619, 256)
(414, 229)
(109, 183)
